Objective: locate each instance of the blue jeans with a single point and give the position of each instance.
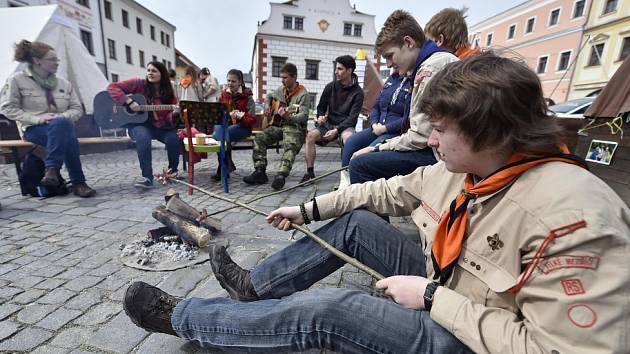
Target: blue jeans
(235, 133)
(360, 140)
(60, 140)
(342, 320)
(143, 134)
(387, 164)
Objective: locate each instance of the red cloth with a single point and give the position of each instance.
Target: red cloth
(197, 156)
(239, 101)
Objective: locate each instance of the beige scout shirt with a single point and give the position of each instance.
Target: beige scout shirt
(419, 126)
(23, 100)
(577, 300)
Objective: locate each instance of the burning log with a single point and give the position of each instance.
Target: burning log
(187, 231)
(182, 209)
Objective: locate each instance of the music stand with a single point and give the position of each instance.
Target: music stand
(204, 115)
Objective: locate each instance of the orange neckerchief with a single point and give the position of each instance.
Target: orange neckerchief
(467, 51)
(296, 90)
(186, 81)
(449, 236)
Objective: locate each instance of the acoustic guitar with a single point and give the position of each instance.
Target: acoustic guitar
(273, 118)
(110, 114)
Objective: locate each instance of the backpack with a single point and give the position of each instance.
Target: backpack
(32, 173)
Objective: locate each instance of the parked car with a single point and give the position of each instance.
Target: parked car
(572, 109)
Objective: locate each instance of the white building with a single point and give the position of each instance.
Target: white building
(309, 34)
(122, 35)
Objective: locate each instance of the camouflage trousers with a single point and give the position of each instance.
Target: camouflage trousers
(292, 140)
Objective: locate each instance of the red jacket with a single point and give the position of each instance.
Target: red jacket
(241, 101)
(119, 91)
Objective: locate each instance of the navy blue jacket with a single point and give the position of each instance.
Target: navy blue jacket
(393, 116)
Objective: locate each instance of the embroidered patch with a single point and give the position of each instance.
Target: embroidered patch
(435, 216)
(572, 286)
(420, 76)
(582, 315)
(550, 264)
(494, 242)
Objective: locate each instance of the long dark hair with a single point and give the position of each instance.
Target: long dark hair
(165, 89)
(239, 75)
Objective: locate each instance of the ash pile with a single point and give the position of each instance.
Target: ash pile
(182, 241)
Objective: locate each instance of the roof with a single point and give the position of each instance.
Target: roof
(184, 59)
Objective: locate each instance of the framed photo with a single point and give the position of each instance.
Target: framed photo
(601, 151)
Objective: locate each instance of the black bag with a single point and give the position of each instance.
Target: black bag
(32, 173)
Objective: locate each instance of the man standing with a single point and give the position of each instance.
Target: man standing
(288, 107)
(337, 111)
(210, 86)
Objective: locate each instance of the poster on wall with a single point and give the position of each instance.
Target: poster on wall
(601, 151)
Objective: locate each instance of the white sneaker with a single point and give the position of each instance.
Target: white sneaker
(143, 183)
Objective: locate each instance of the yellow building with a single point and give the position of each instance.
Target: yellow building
(605, 44)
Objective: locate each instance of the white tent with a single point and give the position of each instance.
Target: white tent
(47, 24)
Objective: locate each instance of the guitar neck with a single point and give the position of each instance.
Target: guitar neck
(157, 107)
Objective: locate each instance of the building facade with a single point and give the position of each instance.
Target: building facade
(309, 34)
(122, 35)
(545, 33)
(606, 43)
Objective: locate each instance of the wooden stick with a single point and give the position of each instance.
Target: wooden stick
(350, 260)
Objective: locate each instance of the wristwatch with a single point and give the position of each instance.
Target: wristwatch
(429, 291)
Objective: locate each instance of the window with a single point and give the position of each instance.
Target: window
(530, 25)
(108, 10)
(168, 65)
(128, 54)
(357, 30)
(347, 29)
(276, 65)
(625, 48)
(596, 55)
(154, 58)
(489, 39)
(564, 60)
(114, 77)
(85, 3)
(476, 42)
(542, 65)
(312, 100)
(168, 40)
(611, 6)
(111, 46)
(164, 62)
(385, 73)
(578, 9)
(511, 32)
(299, 24)
(152, 30)
(139, 25)
(288, 22)
(125, 18)
(86, 38)
(554, 17)
(312, 69)
(162, 37)
(141, 58)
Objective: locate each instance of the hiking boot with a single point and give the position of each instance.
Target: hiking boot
(83, 190)
(52, 177)
(307, 177)
(150, 308)
(278, 182)
(234, 279)
(143, 183)
(257, 177)
(217, 176)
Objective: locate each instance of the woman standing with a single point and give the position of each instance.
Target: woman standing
(44, 107)
(241, 106)
(189, 88)
(157, 89)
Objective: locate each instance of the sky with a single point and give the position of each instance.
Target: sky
(219, 34)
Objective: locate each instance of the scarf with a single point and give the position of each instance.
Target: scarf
(449, 236)
(48, 84)
(295, 91)
(186, 81)
(466, 52)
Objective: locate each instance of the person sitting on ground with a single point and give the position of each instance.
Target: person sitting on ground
(522, 250)
(45, 107)
(240, 101)
(448, 29)
(189, 88)
(161, 125)
(210, 86)
(387, 118)
(337, 112)
(288, 125)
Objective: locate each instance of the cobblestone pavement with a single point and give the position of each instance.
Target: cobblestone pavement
(61, 284)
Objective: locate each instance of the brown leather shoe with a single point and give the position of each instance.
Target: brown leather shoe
(51, 177)
(83, 190)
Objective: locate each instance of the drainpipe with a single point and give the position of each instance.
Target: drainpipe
(100, 22)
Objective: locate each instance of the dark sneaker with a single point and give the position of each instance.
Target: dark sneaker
(83, 190)
(143, 183)
(234, 279)
(217, 176)
(257, 177)
(52, 177)
(150, 308)
(278, 182)
(307, 177)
